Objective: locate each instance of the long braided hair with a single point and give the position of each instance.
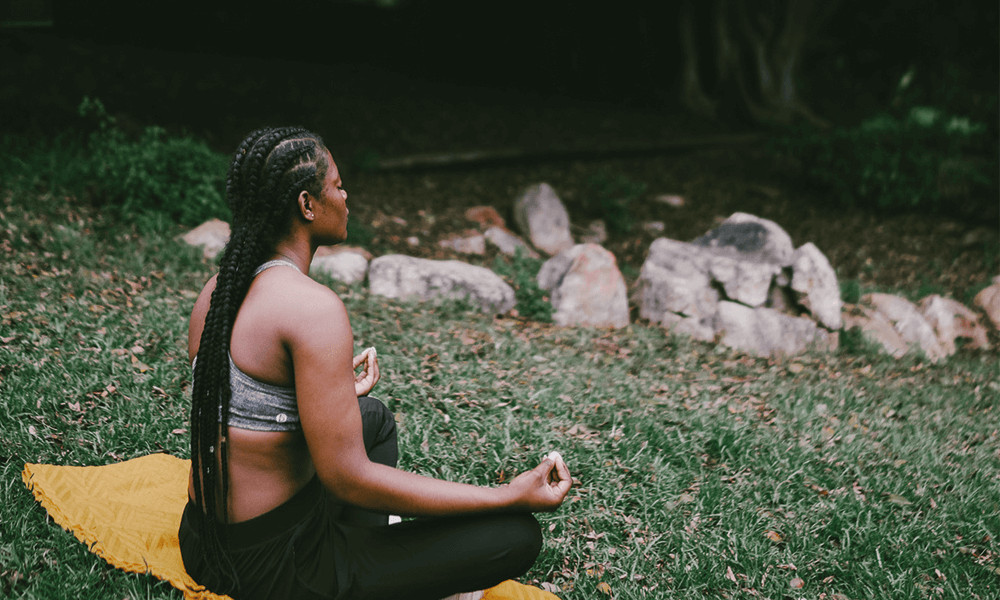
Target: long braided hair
(269, 170)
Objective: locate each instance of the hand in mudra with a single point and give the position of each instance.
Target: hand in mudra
(545, 487)
(365, 381)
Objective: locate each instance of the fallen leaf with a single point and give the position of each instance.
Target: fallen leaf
(729, 574)
(774, 536)
(604, 587)
(897, 499)
(551, 587)
(796, 583)
(582, 431)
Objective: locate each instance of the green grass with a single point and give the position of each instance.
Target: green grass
(701, 472)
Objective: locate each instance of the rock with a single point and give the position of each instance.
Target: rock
(702, 330)
(749, 238)
(540, 215)
(743, 281)
(654, 227)
(750, 263)
(406, 277)
(485, 217)
(586, 287)
(909, 328)
(507, 242)
(211, 236)
(474, 243)
(767, 332)
(692, 269)
(816, 287)
(347, 266)
(952, 320)
(876, 327)
(670, 200)
(988, 299)
(674, 281)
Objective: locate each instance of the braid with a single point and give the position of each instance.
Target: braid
(268, 171)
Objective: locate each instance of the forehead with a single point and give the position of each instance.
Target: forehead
(332, 174)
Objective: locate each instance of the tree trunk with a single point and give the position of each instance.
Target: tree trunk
(757, 49)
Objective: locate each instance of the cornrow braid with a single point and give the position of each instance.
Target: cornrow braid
(269, 169)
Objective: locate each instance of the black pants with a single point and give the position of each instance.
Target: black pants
(313, 547)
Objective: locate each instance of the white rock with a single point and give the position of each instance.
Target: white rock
(749, 238)
(654, 227)
(952, 320)
(507, 242)
(467, 244)
(540, 215)
(767, 332)
(815, 284)
(988, 299)
(349, 267)
(743, 281)
(906, 320)
(674, 279)
(702, 330)
(211, 236)
(876, 327)
(586, 287)
(406, 277)
(670, 200)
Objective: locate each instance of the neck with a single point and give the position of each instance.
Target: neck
(300, 257)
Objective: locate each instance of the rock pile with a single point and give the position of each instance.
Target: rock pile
(934, 327)
(743, 284)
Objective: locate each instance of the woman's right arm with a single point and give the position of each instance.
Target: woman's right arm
(319, 338)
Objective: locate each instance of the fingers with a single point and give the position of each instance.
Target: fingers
(556, 477)
(365, 381)
(373, 367)
(563, 470)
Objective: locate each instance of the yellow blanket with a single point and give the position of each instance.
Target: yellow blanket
(128, 514)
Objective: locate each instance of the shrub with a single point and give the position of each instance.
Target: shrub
(610, 197)
(521, 272)
(923, 159)
(152, 177)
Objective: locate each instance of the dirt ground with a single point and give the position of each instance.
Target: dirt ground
(370, 116)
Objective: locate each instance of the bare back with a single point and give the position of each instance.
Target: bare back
(265, 468)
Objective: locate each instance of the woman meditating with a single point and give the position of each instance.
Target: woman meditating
(293, 465)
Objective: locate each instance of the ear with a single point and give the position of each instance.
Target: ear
(305, 201)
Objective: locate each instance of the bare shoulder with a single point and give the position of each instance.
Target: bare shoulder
(309, 311)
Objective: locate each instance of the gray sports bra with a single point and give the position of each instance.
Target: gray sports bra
(260, 406)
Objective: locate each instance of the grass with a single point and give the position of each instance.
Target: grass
(700, 472)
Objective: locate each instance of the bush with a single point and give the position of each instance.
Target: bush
(521, 272)
(152, 177)
(610, 198)
(925, 159)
